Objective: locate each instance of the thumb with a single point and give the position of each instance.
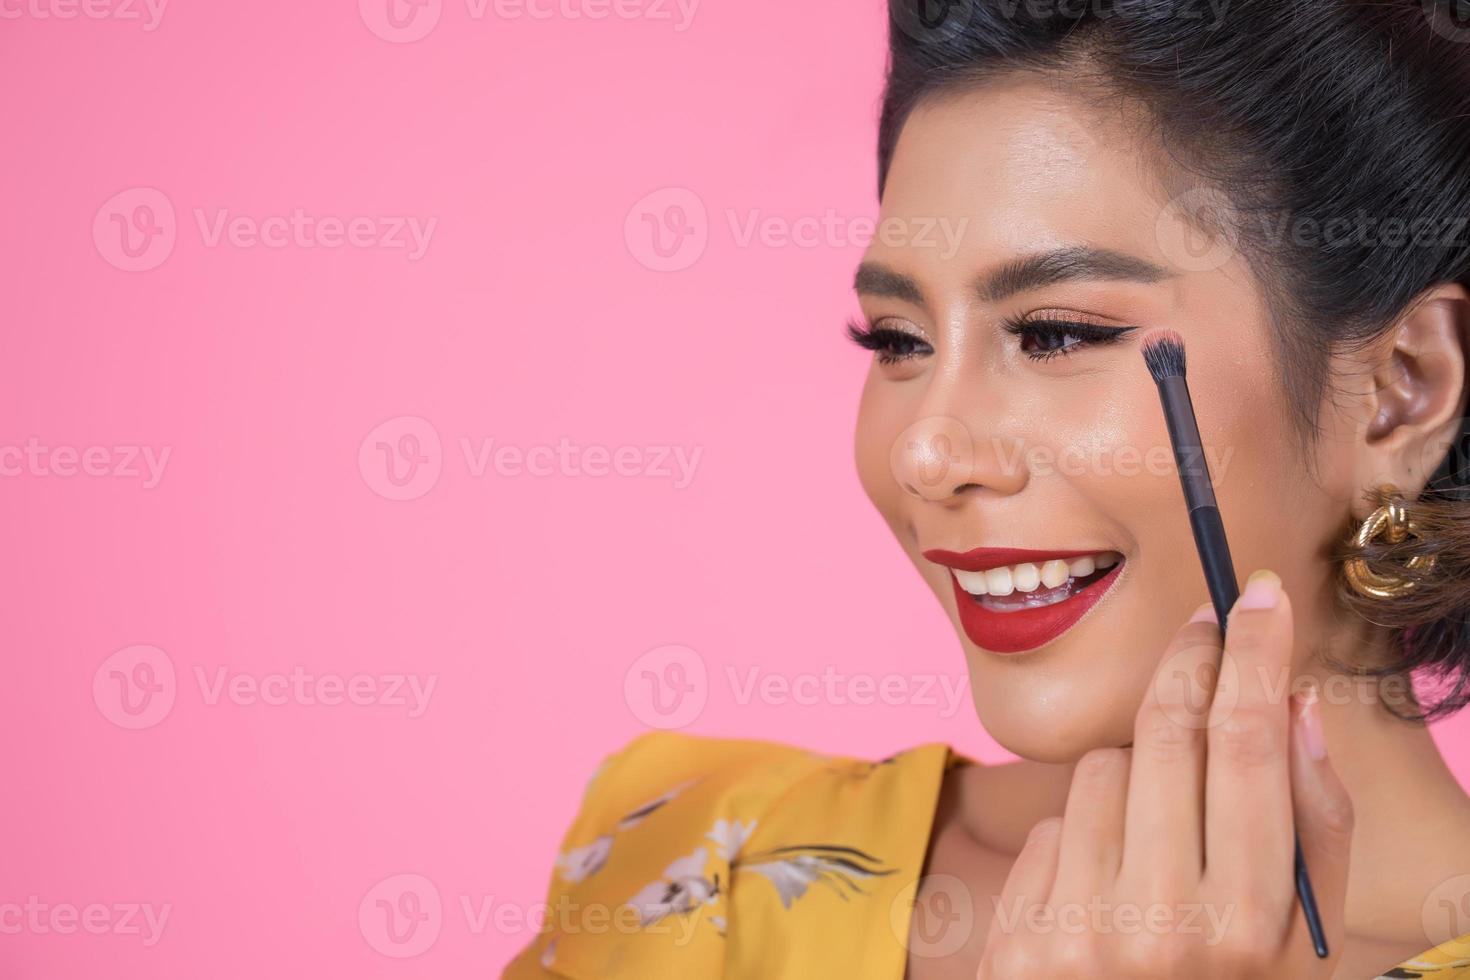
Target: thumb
(1324, 817)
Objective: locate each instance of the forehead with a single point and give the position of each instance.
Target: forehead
(1028, 167)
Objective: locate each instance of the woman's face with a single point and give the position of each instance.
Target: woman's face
(1013, 204)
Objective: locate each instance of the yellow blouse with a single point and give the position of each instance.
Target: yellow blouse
(698, 858)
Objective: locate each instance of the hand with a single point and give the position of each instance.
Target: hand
(1174, 858)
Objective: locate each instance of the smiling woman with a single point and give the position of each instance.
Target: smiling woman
(1118, 169)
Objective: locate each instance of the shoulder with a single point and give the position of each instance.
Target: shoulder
(671, 826)
(656, 768)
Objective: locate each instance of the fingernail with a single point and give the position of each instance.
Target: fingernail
(1262, 591)
(1204, 614)
(1309, 723)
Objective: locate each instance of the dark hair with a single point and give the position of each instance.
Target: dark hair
(1323, 113)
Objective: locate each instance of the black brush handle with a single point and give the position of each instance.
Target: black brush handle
(1209, 538)
(1308, 899)
(1214, 556)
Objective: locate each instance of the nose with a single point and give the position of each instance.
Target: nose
(941, 458)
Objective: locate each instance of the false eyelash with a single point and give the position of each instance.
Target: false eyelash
(889, 344)
(1048, 330)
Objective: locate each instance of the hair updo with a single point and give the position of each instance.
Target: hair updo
(1333, 114)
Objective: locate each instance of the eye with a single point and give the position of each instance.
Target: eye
(890, 344)
(1044, 339)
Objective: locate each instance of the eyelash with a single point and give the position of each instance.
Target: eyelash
(892, 346)
(1043, 331)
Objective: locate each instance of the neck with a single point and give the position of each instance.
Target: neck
(1411, 815)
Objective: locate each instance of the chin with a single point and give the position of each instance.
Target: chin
(1055, 719)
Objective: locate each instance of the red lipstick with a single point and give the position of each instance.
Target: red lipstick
(1019, 630)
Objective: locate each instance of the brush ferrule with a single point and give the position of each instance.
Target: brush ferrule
(1189, 452)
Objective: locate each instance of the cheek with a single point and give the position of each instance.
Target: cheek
(1106, 443)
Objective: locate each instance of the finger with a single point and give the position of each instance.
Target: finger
(1163, 842)
(1091, 848)
(1248, 819)
(1029, 881)
(1324, 820)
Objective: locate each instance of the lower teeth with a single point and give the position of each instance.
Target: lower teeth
(1040, 597)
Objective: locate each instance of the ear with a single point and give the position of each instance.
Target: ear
(1418, 398)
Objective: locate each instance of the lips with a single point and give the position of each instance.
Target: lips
(1026, 598)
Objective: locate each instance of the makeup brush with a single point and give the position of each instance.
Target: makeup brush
(1163, 352)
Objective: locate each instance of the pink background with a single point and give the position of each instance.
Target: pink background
(541, 310)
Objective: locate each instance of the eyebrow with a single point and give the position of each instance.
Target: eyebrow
(1073, 263)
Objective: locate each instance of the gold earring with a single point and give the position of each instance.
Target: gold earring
(1393, 522)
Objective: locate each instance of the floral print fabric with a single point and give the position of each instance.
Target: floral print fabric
(695, 857)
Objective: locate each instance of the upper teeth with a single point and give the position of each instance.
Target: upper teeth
(1028, 576)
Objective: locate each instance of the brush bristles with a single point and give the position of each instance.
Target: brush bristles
(1163, 352)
